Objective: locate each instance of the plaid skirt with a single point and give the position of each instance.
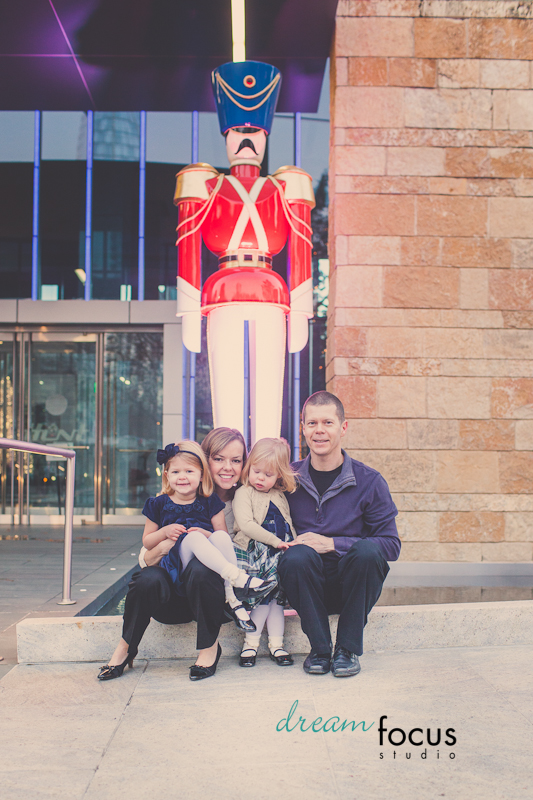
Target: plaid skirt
(260, 561)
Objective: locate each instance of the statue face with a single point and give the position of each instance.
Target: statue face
(246, 144)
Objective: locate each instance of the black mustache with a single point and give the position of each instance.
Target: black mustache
(246, 143)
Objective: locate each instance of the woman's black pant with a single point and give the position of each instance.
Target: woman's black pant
(319, 585)
(152, 595)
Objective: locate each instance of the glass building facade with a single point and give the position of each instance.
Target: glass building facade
(86, 213)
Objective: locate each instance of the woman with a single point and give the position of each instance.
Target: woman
(151, 593)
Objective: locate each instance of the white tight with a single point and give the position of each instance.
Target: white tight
(214, 552)
(274, 617)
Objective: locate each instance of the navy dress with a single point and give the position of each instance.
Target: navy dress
(260, 560)
(163, 511)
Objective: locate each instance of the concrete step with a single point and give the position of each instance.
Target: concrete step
(389, 628)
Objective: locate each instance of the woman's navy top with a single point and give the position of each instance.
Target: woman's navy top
(163, 511)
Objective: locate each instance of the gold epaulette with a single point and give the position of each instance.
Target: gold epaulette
(191, 180)
(298, 185)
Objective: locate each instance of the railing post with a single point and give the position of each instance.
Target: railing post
(70, 456)
(69, 514)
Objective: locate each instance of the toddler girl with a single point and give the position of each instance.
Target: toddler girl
(263, 524)
(191, 515)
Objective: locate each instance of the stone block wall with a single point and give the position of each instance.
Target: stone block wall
(430, 333)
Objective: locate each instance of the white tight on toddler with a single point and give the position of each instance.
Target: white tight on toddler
(214, 552)
(273, 615)
(218, 554)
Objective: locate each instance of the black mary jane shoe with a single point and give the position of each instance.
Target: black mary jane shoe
(284, 659)
(107, 672)
(243, 624)
(248, 661)
(248, 591)
(198, 673)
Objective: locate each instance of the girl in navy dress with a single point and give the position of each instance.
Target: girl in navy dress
(191, 514)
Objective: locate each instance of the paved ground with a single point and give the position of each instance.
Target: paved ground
(31, 570)
(153, 733)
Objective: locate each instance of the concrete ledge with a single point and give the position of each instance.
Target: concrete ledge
(389, 628)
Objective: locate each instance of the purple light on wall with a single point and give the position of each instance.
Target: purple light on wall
(142, 197)
(89, 205)
(35, 224)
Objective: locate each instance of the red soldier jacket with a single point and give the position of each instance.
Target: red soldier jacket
(244, 219)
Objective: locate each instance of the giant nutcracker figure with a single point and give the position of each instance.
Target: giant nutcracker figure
(245, 219)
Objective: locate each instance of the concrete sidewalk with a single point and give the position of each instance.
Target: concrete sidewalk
(153, 733)
(31, 570)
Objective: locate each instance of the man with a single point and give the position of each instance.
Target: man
(345, 520)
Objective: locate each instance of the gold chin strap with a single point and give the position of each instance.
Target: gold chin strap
(227, 89)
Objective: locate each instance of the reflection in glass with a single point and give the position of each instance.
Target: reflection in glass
(6, 421)
(133, 409)
(16, 203)
(63, 409)
(62, 226)
(115, 229)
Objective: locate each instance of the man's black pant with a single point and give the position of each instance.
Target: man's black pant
(318, 585)
(152, 594)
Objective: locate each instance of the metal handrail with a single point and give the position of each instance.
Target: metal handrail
(70, 455)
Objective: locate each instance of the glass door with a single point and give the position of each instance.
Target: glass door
(7, 425)
(132, 421)
(61, 410)
(100, 394)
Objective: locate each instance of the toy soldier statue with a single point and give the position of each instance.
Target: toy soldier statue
(245, 219)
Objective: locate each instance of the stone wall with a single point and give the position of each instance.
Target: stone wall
(430, 334)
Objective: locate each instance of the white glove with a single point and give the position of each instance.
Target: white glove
(301, 311)
(189, 311)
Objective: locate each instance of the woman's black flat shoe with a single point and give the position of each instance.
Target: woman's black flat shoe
(198, 673)
(243, 624)
(283, 660)
(107, 673)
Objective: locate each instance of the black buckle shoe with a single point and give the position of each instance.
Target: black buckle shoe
(317, 663)
(281, 657)
(243, 624)
(345, 664)
(248, 657)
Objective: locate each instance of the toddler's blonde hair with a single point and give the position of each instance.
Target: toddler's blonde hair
(205, 488)
(275, 455)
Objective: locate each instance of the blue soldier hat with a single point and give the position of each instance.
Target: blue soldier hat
(246, 93)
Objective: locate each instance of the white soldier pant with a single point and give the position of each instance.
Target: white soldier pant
(225, 344)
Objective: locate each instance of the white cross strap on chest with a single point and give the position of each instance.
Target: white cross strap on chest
(249, 213)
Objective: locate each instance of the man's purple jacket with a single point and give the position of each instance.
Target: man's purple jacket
(357, 505)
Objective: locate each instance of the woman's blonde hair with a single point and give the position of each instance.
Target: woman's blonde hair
(219, 438)
(193, 455)
(275, 455)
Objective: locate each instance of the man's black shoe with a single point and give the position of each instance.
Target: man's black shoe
(345, 663)
(317, 663)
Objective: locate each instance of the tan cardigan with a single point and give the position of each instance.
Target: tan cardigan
(250, 509)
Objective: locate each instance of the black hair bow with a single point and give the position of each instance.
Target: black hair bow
(172, 450)
(169, 452)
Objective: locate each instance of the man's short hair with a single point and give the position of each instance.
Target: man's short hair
(324, 399)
